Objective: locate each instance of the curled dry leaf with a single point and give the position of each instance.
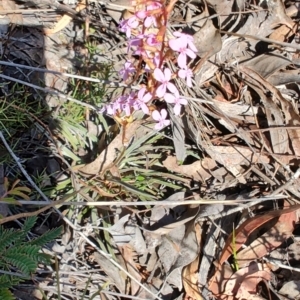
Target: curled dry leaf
(212, 43)
(284, 228)
(287, 29)
(106, 158)
(132, 267)
(243, 283)
(199, 170)
(273, 238)
(190, 272)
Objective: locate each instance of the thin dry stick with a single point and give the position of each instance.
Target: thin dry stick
(50, 91)
(25, 11)
(273, 196)
(162, 203)
(113, 84)
(17, 160)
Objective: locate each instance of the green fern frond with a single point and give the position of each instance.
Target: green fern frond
(24, 263)
(29, 223)
(7, 281)
(9, 237)
(46, 237)
(32, 251)
(6, 294)
(43, 258)
(18, 253)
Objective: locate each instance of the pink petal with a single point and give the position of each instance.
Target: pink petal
(141, 14)
(172, 88)
(147, 97)
(141, 93)
(189, 81)
(167, 122)
(190, 53)
(182, 73)
(169, 98)
(156, 115)
(174, 45)
(158, 126)
(168, 74)
(177, 33)
(163, 113)
(148, 22)
(161, 90)
(183, 101)
(145, 108)
(192, 46)
(177, 109)
(181, 60)
(159, 75)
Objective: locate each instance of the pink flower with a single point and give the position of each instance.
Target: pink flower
(175, 99)
(154, 5)
(188, 74)
(121, 104)
(137, 44)
(151, 40)
(183, 53)
(164, 78)
(147, 16)
(148, 19)
(141, 100)
(161, 119)
(127, 70)
(129, 24)
(181, 45)
(184, 40)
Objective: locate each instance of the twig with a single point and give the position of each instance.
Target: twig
(25, 11)
(288, 183)
(113, 84)
(50, 91)
(162, 203)
(17, 160)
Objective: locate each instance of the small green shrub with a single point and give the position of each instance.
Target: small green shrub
(19, 257)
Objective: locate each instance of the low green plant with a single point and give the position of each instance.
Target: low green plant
(16, 110)
(20, 257)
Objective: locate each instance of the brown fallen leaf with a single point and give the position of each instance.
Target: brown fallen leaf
(106, 158)
(190, 273)
(243, 283)
(287, 28)
(270, 240)
(199, 170)
(128, 256)
(292, 117)
(241, 235)
(212, 43)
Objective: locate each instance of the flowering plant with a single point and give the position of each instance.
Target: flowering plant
(150, 40)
